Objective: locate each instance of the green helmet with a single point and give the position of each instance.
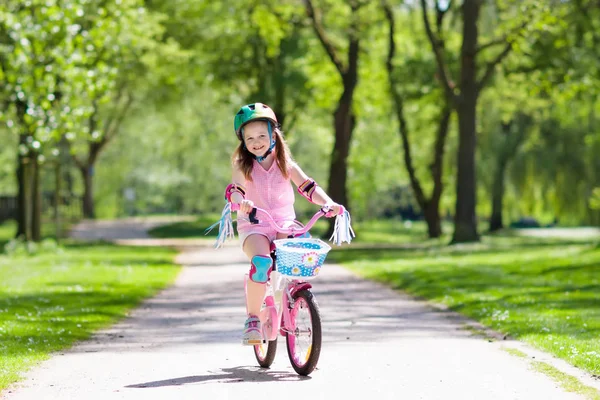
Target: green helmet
(252, 112)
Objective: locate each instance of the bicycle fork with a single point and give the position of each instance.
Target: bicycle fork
(288, 321)
(276, 314)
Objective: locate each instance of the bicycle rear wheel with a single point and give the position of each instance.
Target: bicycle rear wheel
(304, 343)
(265, 353)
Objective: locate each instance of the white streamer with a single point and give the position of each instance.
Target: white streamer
(225, 226)
(342, 230)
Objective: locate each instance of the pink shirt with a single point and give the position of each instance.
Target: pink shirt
(269, 190)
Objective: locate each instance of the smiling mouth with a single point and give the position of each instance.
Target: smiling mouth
(259, 149)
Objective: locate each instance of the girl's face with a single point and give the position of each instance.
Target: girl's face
(256, 137)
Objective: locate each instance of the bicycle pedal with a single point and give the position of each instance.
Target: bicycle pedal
(254, 342)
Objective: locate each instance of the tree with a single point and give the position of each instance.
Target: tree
(556, 69)
(123, 41)
(512, 135)
(254, 51)
(464, 96)
(36, 38)
(429, 204)
(344, 118)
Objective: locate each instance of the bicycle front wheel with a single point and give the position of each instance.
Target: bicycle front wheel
(265, 353)
(304, 343)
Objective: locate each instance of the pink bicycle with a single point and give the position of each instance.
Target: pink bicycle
(289, 306)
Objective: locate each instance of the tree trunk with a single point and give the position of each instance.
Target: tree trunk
(513, 134)
(432, 217)
(496, 219)
(28, 199)
(57, 201)
(465, 218)
(344, 119)
(434, 225)
(36, 199)
(88, 191)
(344, 126)
(429, 206)
(21, 197)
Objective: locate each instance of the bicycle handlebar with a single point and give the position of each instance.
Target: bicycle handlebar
(292, 230)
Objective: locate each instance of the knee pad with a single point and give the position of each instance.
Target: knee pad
(260, 268)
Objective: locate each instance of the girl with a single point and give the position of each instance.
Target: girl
(262, 170)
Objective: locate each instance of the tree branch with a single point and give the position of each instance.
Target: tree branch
(351, 71)
(489, 69)
(76, 160)
(492, 43)
(321, 34)
(438, 158)
(110, 119)
(109, 135)
(399, 105)
(524, 69)
(439, 57)
(505, 38)
(440, 14)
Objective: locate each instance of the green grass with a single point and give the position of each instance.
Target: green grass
(197, 228)
(569, 383)
(9, 228)
(52, 299)
(7, 231)
(545, 292)
(515, 352)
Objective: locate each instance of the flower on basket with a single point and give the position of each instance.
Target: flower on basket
(296, 271)
(310, 259)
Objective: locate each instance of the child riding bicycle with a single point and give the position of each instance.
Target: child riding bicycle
(263, 169)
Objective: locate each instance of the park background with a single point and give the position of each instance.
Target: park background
(440, 124)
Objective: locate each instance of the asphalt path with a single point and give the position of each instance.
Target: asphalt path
(377, 343)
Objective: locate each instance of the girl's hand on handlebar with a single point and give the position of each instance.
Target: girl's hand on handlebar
(246, 206)
(332, 209)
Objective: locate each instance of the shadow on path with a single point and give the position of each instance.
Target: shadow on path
(227, 375)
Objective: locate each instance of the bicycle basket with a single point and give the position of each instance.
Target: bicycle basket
(300, 257)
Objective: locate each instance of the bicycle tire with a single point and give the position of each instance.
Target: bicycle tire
(265, 353)
(305, 364)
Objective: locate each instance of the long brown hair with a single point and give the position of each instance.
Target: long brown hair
(283, 157)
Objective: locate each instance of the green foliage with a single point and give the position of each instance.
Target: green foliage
(176, 86)
(7, 163)
(595, 199)
(58, 58)
(127, 62)
(195, 151)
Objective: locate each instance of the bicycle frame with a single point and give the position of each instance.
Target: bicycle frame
(289, 297)
(276, 315)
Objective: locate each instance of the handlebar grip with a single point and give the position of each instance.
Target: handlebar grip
(330, 214)
(252, 216)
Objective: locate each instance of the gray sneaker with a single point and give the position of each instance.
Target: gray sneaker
(252, 332)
